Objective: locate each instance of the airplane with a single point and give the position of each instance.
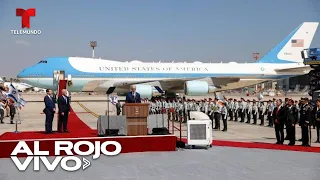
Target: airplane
(20, 86)
(192, 79)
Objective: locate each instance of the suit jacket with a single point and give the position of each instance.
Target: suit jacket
(292, 115)
(281, 116)
(49, 105)
(131, 99)
(63, 104)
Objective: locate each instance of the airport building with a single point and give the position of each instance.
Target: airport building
(294, 83)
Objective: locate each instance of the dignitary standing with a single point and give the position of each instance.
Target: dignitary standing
(292, 118)
(133, 96)
(279, 117)
(49, 110)
(64, 109)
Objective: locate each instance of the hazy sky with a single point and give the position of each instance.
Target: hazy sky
(150, 30)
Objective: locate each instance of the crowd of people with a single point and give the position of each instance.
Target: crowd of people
(7, 106)
(279, 114)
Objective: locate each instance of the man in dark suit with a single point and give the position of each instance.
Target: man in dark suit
(133, 96)
(49, 110)
(279, 117)
(305, 120)
(64, 109)
(292, 119)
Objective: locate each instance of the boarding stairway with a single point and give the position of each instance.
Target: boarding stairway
(311, 57)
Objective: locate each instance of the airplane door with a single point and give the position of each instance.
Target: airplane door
(57, 75)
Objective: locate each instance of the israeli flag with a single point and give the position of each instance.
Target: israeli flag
(13, 93)
(114, 100)
(22, 102)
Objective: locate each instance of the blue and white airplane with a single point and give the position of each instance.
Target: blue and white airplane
(194, 79)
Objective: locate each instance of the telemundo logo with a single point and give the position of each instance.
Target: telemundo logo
(25, 32)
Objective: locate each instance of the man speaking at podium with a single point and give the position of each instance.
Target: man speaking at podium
(133, 96)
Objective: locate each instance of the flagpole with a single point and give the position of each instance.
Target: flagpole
(16, 131)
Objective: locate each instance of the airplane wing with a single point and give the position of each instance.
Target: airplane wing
(297, 71)
(175, 85)
(171, 84)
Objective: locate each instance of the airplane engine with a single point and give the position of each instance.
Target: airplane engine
(197, 88)
(145, 91)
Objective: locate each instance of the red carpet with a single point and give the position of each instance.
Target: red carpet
(79, 131)
(260, 145)
(76, 127)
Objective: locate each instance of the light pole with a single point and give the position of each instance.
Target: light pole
(93, 44)
(256, 56)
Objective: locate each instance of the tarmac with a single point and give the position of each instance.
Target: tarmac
(215, 163)
(89, 107)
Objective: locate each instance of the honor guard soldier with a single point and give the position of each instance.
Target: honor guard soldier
(189, 107)
(292, 118)
(248, 111)
(263, 111)
(171, 110)
(217, 114)
(177, 110)
(180, 110)
(305, 119)
(242, 107)
(230, 108)
(206, 106)
(198, 106)
(159, 106)
(202, 106)
(152, 107)
(255, 111)
(224, 115)
(235, 109)
(163, 106)
(185, 109)
(296, 104)
(210, 104)
(270, 108)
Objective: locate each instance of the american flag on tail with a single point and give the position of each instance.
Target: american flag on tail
(297, 42)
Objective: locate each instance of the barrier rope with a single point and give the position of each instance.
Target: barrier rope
(88, 110)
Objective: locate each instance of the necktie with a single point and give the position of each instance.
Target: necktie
(277, 110)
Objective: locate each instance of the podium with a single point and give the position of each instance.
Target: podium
(137, 116)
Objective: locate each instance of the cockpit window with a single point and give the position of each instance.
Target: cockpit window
(43, 61)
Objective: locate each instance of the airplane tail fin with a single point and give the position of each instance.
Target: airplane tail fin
(289, 49)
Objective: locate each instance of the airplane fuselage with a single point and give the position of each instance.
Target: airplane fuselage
(87, 73)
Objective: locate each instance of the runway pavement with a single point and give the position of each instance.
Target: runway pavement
(216, 163)
(33, 120)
